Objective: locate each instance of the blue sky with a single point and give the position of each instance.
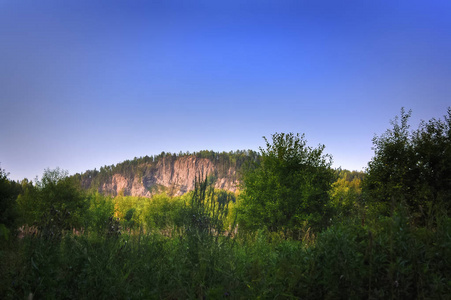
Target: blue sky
(86, 84)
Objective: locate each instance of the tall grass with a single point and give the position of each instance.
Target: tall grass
(387, 258)
(345, 262)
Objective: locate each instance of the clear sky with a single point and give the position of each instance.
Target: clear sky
(85, 84)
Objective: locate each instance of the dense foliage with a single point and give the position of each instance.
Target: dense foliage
(288, 188)
(296, 230)
(346, 261)
(346, 194)
(55, 204)
(9, 190)
(412, 168)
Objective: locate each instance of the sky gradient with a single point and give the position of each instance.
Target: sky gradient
(83, 84)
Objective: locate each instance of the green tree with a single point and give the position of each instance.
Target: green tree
(391, 166)
(432, 144)
(411, 168)
(163, 212)
(28, 204)
(287, 189)
(100, 213)
(9, 190)
(56, 203)
(346, 193)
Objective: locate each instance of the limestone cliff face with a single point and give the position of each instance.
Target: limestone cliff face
(175, 176)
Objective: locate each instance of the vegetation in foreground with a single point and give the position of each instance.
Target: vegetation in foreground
(297, 230)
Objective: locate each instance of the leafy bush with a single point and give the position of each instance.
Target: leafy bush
(55, 204)
(289, 187)
(9, 190)
(100, 215)
(411, 168)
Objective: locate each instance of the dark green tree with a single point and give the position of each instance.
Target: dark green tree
(411, 168)
(56, 203)
(9, 190)
(391, 166)
(287, 189)
(432, 145)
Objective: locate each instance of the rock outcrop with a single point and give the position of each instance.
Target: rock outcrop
(174, 176)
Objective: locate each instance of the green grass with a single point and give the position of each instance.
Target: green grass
(347, 261)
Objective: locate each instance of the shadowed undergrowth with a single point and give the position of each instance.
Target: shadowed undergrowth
(347, 261)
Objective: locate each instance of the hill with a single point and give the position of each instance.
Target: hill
(171, 173)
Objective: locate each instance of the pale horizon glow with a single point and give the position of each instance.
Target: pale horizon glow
(84, 85)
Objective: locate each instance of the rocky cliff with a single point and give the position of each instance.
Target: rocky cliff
(171, 174)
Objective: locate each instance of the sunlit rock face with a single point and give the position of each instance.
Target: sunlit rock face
(173, 176)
